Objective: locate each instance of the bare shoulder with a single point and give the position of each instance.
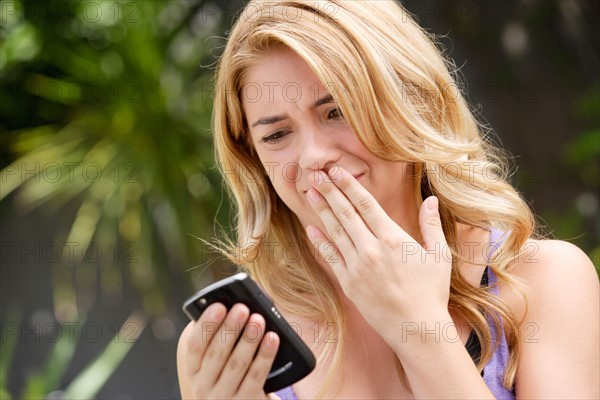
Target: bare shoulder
(551, 263)
(555, 273)
(562, 304)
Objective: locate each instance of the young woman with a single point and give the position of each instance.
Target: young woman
(374, 212)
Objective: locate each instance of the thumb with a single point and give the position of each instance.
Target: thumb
(431, 225)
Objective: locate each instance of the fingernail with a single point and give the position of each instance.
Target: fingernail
(433, 203)
(271, 339)
(313, 194)
(238, 312)
(253, 330)
(215, 312)
(311, 231)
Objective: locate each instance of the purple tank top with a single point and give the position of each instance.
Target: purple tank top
(493, 372)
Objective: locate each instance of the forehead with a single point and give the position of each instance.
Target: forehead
(280, 77)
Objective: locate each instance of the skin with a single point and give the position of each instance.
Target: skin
(343, 194)
(211, 366)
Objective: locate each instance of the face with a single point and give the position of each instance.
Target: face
(297, 128)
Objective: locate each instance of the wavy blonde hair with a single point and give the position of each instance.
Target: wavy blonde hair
(397, 93)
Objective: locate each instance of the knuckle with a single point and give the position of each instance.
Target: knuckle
(237, 365)
(326, 188)
(434, 223)
(391, 241)
(347, 214)
(364, 205)
(337, 231)
(344, 183)
(256, 374)
(371, 256)
(214, 353)
(322, 207)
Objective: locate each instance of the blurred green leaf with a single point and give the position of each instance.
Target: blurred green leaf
(583, 148)
(7, 348)
(91, 379)
(47, 380)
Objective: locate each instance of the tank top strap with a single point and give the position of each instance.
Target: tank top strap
(493, 372)
(287, 394)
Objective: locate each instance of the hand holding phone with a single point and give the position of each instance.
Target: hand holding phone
(293, 361)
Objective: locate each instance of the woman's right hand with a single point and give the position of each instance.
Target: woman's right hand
(211, 365)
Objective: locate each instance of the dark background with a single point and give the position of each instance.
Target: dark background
(108, 176)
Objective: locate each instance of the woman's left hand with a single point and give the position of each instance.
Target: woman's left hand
(387, 274)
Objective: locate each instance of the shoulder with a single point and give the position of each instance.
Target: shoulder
(554, 257)
(558, 253)
(554, 268)
(559, 321)
(553, 272)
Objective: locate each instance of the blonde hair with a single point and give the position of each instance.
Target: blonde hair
(396, 92)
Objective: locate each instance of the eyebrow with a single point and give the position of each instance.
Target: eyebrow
(274, 119)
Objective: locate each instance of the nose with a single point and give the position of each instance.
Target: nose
(319, 151)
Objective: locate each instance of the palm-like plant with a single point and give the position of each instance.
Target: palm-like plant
(106, 109)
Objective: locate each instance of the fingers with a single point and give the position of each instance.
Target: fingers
(221, 344)
(431, 225)
(261, 365)
(337, 229)
(229, 354)
(242, 355)
(349, 212)
(327, 250)
(366, 207)
(202, 333)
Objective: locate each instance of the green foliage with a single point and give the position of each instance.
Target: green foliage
(47, 379)
(87, 384)
(106, 112)
(583, 154)
(119, 115)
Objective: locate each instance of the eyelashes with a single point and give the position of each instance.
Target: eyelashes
(277, 136)
(337, 111)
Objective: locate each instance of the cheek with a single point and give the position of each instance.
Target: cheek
(284, 178)
(286, 181)
(280, 169)
(289, 174)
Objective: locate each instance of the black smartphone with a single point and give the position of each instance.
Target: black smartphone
(294, 360)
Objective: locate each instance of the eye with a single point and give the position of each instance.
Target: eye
(335, 113)
(275, 137)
